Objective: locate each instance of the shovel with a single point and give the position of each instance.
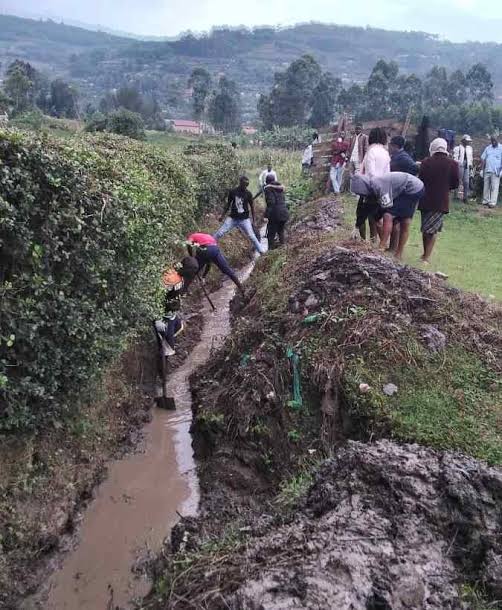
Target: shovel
(164, 401)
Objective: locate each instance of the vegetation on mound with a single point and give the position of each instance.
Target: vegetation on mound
(85, 227)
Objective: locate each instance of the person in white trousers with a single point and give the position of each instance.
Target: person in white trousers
(464, 156)
(492, 169)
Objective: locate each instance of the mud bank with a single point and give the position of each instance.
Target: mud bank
(341, 343)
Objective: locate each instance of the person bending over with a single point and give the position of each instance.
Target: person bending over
(397, 194)
(241, 206)
(207, 252)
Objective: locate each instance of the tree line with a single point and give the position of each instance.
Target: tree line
(304, 95)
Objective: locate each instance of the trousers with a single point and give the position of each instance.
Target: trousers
(245, 227)
(491, 190)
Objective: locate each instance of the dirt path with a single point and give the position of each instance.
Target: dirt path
(142, 497)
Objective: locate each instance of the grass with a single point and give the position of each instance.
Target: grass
(468, 250)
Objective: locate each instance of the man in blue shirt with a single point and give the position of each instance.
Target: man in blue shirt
(400, 160)
(492, 169)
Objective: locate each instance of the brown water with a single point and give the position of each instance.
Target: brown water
(142, 497)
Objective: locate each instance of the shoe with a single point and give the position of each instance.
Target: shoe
(167, 350)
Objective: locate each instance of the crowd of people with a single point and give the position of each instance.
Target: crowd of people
(391, 185)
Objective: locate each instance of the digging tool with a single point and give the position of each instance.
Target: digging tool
(206, 293)
(164, 401)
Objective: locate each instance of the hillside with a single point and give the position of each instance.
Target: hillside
(99, 61)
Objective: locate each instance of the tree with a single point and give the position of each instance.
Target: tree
(19, 86)
(352, 100)
(224, 107)
(126, 123)
(130, 99)
(291, 98)
(324, 99)
(200, 82)
(381, 88)
(457, 91)
(436, 88)
(63, 99)
(479, 82)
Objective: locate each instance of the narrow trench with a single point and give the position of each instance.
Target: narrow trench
(142, 497)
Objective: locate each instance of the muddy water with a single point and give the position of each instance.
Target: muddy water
(143, 495)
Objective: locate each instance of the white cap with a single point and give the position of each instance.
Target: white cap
(439, 145)
(467, 137)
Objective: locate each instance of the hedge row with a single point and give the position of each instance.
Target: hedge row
(85, 227)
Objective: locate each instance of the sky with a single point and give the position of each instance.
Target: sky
(456, 20)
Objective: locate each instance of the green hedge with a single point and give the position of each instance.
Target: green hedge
(85, 227)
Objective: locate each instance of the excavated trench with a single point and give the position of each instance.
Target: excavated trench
(142, 497)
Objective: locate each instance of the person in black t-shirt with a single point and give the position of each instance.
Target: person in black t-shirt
(241, 207)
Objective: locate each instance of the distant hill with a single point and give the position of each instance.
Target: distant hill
(98, 61)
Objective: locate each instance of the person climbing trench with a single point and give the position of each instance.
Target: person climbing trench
(276, 212)
(241, 206)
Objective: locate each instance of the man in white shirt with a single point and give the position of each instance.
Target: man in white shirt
(464, 156)
(357, 149)
(263, 176)
(492, 170)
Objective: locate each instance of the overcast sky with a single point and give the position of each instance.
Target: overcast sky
(453, 19)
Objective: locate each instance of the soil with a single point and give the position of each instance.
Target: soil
(384, 526)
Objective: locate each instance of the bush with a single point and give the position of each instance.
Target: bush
(32, 119)
(290, 138)
(96, 122)
(86, 225)
(126, 123)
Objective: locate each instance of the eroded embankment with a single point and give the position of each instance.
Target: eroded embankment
(384, 351)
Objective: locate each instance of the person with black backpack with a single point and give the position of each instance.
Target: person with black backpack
(276, 212)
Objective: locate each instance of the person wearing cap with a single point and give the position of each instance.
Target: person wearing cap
(397, 194)
(440, 175)
(492, 170)
(206, 251)
(176, 282)
(464, 156)
(241, 206)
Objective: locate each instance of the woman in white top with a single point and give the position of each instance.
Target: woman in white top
(376, 163)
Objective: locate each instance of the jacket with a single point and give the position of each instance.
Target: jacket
(402, 162)
(440, 176)
(362, 145)
(460, 152)
(277, 210)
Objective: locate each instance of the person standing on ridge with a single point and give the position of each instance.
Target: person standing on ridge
(276, 212)
(241, 206)
(464, 156)
(338, 161)
(358, 147)
(375, 163)
(440, 175)
(492, 170)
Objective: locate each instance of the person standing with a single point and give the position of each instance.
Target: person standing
(263, 176)
(338, 161)
(241, 206)
(400, 160)
(464, 156)
(276, 212)
(491, 160)
(358, 147)
(440, 175)
(375, 163)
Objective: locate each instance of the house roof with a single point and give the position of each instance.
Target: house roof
(183, 123)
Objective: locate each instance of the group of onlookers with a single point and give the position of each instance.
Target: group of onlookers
(391, 185)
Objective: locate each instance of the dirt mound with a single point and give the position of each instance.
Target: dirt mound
(321, 216)
(384, 527)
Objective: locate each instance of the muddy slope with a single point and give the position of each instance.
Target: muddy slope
(383, 526)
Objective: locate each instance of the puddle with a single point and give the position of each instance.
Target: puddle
(142, 497)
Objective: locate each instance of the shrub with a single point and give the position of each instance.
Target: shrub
(126, 123)
(85, 227)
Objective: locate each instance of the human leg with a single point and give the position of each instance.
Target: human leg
(388, 221)
(361, 216)
(465, 182)
(281, 230)
(246, 228)
(333, 176)
(215, 255)
(404, 233)
(432, 224)
(228, 225)
(495, 189)
(271, 234)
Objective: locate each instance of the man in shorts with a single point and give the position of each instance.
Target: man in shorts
(440, 175)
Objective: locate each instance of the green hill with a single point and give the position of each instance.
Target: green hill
(98, 61)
